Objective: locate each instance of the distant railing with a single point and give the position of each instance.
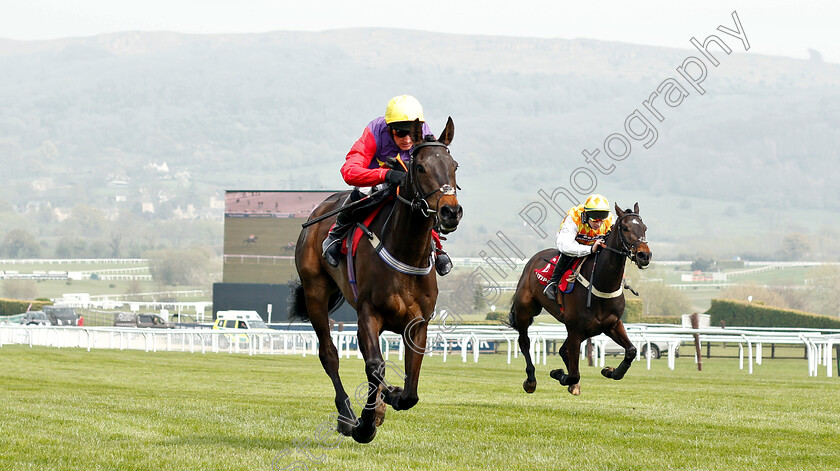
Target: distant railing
(50, 261)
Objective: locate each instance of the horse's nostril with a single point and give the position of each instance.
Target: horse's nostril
(447, 212)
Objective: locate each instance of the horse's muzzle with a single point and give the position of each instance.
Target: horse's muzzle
(450, 215)
(643, 256)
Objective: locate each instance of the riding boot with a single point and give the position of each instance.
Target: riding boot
(332, 244)
(443, 264)
(551, 288)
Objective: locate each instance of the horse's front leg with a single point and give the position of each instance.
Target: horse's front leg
(619, 336)
(414, 337)
(570, 353)
(368, 335)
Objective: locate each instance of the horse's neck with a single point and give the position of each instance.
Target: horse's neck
(407, 235)
(610, 265)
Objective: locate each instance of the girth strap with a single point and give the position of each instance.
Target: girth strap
(597, 292)
(392, 261)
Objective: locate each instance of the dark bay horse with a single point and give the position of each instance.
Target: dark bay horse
(584, 320)
(387, 299)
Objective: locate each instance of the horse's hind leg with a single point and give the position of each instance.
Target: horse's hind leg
(521, 315)
(619, 335)
(318, 316)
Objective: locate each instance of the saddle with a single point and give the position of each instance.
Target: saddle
(567, 281)
(351, 241)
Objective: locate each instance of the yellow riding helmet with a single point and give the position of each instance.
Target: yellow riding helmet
(597, 207)
(403, 109)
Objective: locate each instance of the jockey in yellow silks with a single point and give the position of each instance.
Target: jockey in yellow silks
(582, 233)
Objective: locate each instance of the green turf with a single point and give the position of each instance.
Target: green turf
(72, 409)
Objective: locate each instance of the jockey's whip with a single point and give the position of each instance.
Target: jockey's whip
(592, 280)
(342, 209)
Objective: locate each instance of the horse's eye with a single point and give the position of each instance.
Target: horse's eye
(456, 165)
(420, 169)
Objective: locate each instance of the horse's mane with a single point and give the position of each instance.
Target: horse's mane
(429, 138)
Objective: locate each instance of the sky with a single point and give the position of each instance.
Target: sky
(775, 27)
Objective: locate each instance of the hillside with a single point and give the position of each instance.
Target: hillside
(83, 119)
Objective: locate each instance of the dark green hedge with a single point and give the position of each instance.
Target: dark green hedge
(744, 314)
(10, 307)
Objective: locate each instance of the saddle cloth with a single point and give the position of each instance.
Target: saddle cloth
(356, 235)
(567, 281)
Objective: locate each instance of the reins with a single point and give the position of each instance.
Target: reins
(418, 201)
(626, 251)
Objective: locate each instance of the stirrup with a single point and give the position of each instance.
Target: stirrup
(331, 250)
(550, 291)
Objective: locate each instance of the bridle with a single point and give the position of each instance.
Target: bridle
(418, 201)
(627, 250)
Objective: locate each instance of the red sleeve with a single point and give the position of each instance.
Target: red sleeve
(355, 170)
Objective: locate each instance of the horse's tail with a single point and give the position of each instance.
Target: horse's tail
(511, 320)
(297, 301)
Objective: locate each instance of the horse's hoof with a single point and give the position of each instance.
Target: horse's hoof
(557, 374)
(391, 395)
(607, 372)
(575, 389)
(344, 428)
(529, 386)
(362, 437)
(379, 416)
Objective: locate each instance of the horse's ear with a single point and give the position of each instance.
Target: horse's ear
(636, 207)
(416, 132)
(448, 132)
(618, 211)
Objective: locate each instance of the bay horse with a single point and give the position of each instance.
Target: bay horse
(387, 299)
(584, 316)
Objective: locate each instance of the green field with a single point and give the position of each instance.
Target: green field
(72, 409)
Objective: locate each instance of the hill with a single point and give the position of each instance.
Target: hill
(90, 121)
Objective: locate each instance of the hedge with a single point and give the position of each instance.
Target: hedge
(744, 314)
(10, 307)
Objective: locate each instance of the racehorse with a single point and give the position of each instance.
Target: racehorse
(290, 247)
(386, 299)
(585, 316)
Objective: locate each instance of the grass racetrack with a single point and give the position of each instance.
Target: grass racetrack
(108, 409)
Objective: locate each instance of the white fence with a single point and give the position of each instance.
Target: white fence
(460, 340)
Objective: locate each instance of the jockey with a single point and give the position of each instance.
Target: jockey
(384, 138)
(581, 234)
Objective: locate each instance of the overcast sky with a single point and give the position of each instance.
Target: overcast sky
(778, 27)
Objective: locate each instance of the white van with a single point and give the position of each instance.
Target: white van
(229, 320)
(235, 324)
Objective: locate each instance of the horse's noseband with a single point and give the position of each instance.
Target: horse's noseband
(418, 201)
(628, 250)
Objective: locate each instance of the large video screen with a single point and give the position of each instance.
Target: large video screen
(261, 230)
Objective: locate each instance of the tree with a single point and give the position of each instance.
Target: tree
(20, 244)
(662, 300)
(70, 247)
(824, 291)
(180, 266)
(795, 247)
(19, 289)
(756, 294)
